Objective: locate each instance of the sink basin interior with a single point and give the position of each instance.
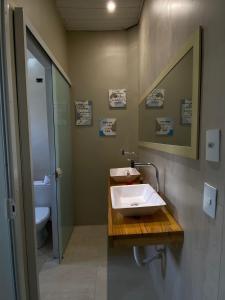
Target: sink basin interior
(137, 199)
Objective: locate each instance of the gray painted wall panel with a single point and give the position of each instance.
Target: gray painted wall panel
(165, 26)
(98, 62)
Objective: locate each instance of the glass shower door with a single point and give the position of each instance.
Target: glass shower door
(63, 145)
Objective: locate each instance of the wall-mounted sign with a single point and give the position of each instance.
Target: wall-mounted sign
(83, 111)
(118, 98)
(186, 112)
(156, 98)
(107, 127)
(164, 126)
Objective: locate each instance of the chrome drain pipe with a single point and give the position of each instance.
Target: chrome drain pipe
(141, 262)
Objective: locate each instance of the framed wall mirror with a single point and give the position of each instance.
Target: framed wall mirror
(169, 110)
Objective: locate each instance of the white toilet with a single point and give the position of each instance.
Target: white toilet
(42, 215)
(42, 198)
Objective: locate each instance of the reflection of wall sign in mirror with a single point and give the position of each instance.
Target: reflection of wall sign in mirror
(107, 127)
(83, 113)
(186, 112)
(156, 98)
(169, 90)
(164, 126)
(118, 98)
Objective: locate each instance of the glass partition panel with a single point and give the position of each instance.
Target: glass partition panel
(63, 144)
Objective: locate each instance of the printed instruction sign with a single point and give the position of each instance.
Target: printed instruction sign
(117, 98)
(156, 98)
(186, 112)
(107, 127)
(165, 126)
(83, 113)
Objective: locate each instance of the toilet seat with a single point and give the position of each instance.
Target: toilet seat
(41, 214)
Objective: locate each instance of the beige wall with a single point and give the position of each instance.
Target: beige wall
(98, 62)
(45, 18)
(197, 271)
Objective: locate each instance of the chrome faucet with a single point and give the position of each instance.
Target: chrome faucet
(134, 164)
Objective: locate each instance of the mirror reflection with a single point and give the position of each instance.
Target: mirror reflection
(165, 114)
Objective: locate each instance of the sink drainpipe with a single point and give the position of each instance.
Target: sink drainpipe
(141, 262)
(160, 252)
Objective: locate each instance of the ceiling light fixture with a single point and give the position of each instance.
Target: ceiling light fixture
(111, 6)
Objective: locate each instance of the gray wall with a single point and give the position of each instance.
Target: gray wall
(45, 18)
(197, 271)
(38, 118)
(127, 281)
(100, 61)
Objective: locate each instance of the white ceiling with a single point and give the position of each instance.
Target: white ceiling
(92, 14)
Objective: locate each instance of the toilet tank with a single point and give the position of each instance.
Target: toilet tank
(42, 194)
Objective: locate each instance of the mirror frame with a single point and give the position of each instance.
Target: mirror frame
(186, 151)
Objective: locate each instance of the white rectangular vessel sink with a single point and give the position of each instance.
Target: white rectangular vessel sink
(135, 200)
(124, 175)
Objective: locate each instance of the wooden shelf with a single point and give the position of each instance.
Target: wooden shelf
(159, 228)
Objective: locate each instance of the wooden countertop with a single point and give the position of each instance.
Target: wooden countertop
(156, 229)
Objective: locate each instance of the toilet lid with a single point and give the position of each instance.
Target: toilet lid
(41, 214)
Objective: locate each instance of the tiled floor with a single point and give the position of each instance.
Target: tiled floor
(83, 273)
(44, 254)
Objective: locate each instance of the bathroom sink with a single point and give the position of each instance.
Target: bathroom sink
(124, 175)
(135, 200)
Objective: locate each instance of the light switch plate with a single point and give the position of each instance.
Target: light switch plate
(209, 200)
(213, 145)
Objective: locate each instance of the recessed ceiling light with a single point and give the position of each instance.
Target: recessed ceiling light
(111, 6)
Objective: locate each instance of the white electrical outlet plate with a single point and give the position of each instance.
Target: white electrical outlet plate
(209, 200)
(213, 145)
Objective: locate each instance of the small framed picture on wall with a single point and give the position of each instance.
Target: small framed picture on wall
(107, 127)
(83, 113)
(118, 98)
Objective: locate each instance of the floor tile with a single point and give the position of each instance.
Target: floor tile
(82, 275)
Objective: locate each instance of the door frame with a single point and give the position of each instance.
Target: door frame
(22, 23)
(8, 216)
(13, 152)
(34, 47)
(25, 153)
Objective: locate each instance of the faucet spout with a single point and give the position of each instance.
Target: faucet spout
(136, 164)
